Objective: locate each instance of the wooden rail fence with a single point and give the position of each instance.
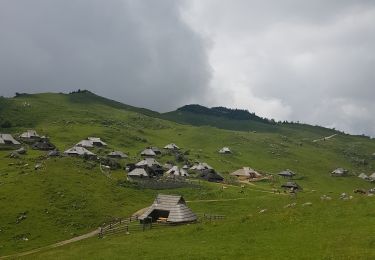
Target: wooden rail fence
(132, 224)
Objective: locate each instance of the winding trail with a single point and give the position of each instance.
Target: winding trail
(58, 244)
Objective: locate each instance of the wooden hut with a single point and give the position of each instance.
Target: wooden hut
(339, 172)
(79, 151)
(91, 142)
(286, 174)
(169, 209)
(291, 185)
(138, 173)
(117, 155)
(246, 173)
(148, 153)
(30, 136)
(8, 140)
(156, 150)
(175, 171)
(171, 146)
(225, 150)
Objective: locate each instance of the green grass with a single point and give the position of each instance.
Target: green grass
(68, 197)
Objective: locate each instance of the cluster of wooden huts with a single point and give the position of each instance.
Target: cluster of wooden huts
(30, 137)
(148, 166)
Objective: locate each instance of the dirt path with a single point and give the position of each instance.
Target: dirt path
(254, 185)
(214, 200)
(324, 138)
(65, 242)
(62, 243)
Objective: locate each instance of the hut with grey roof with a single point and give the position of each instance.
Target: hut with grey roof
(117, 155)
(364, 176)
(156, 150)
(291, 185)
(175, 171)
(201, 167)
(138, 173)
(148, 153)
(7, 139)
(85, 144)
(210, 175)
(91, 142)
(30, 136)
(225, 150)
(171, 146)
(286, 174)
(96, 141)
(53, 153)
(339, 172)
(148, 162)
(152, 166)
(169, 209)
(246, 173)
(79, 151)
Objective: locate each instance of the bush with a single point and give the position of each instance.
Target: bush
(5, 124)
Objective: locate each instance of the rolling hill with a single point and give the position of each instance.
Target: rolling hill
(71, 196)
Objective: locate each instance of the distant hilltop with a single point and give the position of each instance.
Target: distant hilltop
(234, 114)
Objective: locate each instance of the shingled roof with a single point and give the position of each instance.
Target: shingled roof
(8, 139)
(29, 134)
(117, 154)
(148, 162)
(246, 172)
(175, 171)
(174, 205)
(225, 150)
(148, 152)
(138, 172)
(171, 146)
(77, 150)
(91, 142)
(286, 173)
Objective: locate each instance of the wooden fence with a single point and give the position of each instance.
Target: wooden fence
(132, 224)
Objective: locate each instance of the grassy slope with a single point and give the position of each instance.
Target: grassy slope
(65, 198)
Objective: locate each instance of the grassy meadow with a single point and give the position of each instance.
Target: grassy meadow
(68, 196)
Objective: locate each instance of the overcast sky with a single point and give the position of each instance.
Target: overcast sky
(309, 61)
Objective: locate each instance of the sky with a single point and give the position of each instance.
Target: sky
(295, 60)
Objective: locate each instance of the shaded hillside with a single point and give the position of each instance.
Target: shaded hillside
(233, 114)
(239, 120)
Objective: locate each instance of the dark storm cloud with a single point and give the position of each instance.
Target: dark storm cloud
(138, 52)
(309, 61)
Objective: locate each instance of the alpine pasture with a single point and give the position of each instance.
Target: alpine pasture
(67, 196)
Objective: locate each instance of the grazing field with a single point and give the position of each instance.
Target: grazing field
(68, 196)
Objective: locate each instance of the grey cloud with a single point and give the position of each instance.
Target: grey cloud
(138, 52)
(315, 57)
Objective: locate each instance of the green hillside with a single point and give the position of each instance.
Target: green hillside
(239, 120)
(70, 196)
